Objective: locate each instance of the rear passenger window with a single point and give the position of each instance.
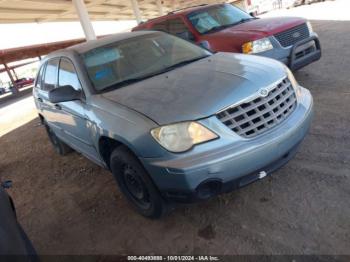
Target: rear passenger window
(67, 75)
(162, 26)
(50, 80)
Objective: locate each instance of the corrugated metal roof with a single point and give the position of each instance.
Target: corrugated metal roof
(24, 11)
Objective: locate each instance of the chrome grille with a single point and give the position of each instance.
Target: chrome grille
(293, 35)
(255, 117)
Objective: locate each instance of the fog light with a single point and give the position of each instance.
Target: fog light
(208, 189)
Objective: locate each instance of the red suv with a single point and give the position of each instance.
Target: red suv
(226, 28)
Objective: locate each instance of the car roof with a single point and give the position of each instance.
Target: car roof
(184, 11)
(188, 10)
(86, 46)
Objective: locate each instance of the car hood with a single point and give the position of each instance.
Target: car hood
(265, 26)
(199, 89)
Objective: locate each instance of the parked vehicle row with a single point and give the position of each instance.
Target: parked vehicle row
(20, 83)
(262, 6)
(23, 82)
(2, 90)
(173, 121)
(307, 2)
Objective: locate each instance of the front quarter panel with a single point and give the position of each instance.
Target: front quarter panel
(125, 125)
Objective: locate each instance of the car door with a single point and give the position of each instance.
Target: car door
(37, 86)
(44, 84)
(70, 116)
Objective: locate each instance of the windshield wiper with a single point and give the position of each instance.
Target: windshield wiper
(123, 83)
(243, 20)
(221, 27)
(217, 28)
(182, 63)
(162, 71)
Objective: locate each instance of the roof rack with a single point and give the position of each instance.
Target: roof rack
(172, 12)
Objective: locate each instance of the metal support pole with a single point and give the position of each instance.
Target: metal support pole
(173, 5)
(245, 6)
(160, 7)
(136, 9)
(14, 84)
(84, 19)
(14, 72)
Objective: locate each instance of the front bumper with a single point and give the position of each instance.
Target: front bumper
(297, 56)
(302, 54)
(230, 162)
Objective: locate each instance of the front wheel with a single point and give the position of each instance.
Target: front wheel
(136, 184)
(59, 146)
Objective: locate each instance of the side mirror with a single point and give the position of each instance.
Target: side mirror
(252, 14)
(205, 45)
(64, 94)
(186, 35)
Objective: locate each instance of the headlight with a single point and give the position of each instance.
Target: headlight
(257, 46)
(309, 26)
(183, 136)
(294, 82)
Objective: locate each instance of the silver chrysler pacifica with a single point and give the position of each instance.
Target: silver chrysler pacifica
(171, 120)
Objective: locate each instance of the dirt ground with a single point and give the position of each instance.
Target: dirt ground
(68, 205)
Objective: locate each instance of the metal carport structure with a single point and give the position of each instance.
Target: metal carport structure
(25, 11)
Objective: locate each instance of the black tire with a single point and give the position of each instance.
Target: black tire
(136, 184)
(59, 146)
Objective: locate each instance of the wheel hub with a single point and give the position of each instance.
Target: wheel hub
(136, 186)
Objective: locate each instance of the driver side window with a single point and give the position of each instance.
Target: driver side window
(174, 26)
(67, 75)
(50, 79)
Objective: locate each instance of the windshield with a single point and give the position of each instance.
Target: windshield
(217, 18)
(137, 58)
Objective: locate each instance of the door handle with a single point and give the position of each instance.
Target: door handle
(58, 107)
(40, 99)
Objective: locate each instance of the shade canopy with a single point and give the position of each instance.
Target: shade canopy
(25, 52)
(24, 11)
